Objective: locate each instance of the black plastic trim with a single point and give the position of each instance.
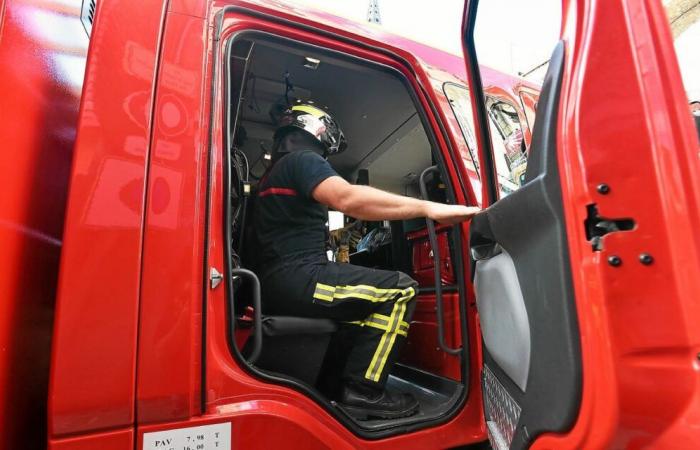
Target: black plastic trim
(489, 179)
(530, 225)
(446, 288)
(310, 392)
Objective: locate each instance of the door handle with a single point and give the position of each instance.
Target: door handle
(435, 253)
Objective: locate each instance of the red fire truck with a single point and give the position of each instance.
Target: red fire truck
(564, 316)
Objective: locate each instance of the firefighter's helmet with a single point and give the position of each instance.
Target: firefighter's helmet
(315, 121)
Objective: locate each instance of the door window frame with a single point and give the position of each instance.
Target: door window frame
(442, 155)
(492, 100)
(467, 129)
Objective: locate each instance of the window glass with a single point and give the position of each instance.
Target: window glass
(684, 19)
(458, 96)
(508, 145)
(528, 100)
(506, 131)
(513, 65)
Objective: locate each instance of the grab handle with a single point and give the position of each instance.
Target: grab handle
(432, 238)
(257, 311)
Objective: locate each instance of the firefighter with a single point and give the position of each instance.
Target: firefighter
(289, 233)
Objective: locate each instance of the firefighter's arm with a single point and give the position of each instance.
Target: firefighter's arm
(367, 203)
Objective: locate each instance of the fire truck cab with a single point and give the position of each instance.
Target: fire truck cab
(562, 316)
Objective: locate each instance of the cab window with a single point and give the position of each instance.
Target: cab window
(506, 131)
(458, 96)
(509, 148)
(685, 28)
(523, 60)
(528, 100)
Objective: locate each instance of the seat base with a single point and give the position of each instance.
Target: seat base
(293, 346)
(287, 326)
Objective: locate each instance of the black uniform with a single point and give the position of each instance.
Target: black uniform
(289, 235)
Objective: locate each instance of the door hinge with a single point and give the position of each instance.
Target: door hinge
(597, 226)
(215, 277)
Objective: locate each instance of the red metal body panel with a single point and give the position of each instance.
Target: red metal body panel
(422, 348)
(624, 119)
(170, 327)
(108, 440)
(135, 233)
(422, 258)
(93, 371)
(267, 422)
(639, 335)
(42, 60)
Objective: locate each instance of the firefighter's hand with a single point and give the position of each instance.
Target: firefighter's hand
(450, 214)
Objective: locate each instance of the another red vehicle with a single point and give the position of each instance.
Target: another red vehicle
(563, 316)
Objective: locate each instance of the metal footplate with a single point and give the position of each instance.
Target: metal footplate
(501, 411)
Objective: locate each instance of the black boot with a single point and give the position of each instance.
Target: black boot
(364, 402)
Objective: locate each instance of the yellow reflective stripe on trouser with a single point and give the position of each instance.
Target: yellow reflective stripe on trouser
(386, 343)
(329, 293)
(381, 322)
(324, 292)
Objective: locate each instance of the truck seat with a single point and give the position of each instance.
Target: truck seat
(287, 326)
(293, 346)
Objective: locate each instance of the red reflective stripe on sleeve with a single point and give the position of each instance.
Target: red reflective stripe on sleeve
(277, 191)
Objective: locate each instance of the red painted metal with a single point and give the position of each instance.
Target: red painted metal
(639, 336)
(88, 356)
(422, 257)
(93, 383)
(264, 422)
(132, 263)
(170, 326)
(42, 59)
(107, 440)
(93, 361)
(625, 122)
(422, 349)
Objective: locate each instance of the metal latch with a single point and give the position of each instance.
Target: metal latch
(597, 227)
(215, 277)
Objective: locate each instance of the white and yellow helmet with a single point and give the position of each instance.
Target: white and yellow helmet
(315, 121)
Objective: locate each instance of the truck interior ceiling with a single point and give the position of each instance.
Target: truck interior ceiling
(389, 147)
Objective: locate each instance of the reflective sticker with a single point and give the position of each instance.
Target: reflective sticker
(316, 112)
(206, 437)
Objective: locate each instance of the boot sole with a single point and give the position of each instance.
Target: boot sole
(367, 414)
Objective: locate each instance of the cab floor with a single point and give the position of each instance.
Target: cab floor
(436, 396)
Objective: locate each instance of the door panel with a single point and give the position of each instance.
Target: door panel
(629, 195)
(525, 297)
(503, 315)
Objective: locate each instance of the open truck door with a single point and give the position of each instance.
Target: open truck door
(585, 275)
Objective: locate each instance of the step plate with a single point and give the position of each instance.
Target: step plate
(501, 411)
